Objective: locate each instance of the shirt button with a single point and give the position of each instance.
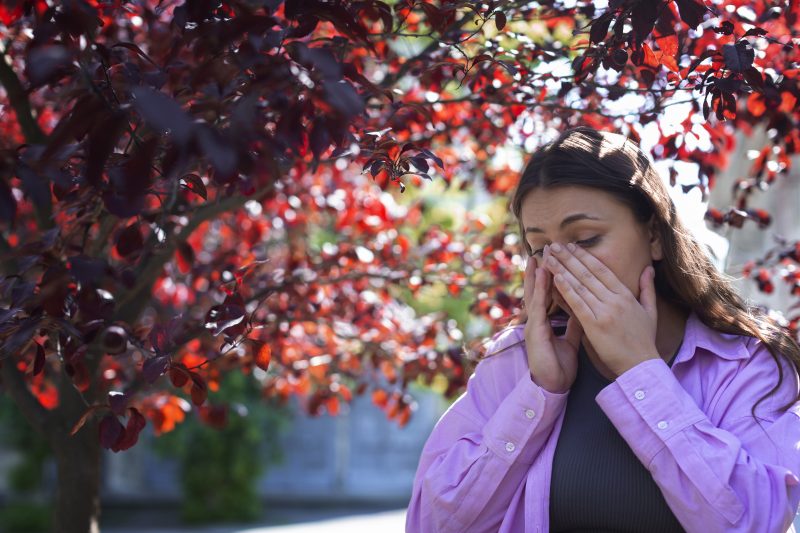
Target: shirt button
(663, 424)
(639, 395)
(530, 413)
(510, 447)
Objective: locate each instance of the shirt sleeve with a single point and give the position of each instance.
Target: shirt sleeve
(480, 450)
(737, 475)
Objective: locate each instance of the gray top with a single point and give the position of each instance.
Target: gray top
(598, 484)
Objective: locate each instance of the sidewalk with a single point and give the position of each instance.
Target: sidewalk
(293, 521)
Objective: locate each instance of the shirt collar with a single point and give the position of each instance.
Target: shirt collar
(698, 335)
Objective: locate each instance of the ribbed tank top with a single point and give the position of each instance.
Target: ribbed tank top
(598, 484)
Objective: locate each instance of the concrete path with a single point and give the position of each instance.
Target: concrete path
(370, 522)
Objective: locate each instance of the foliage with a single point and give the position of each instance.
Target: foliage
(189, 190)
(221, 462)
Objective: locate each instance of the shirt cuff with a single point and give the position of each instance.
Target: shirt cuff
(523, 421)
(648, 405)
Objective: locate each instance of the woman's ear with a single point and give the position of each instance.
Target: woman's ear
(656, 246)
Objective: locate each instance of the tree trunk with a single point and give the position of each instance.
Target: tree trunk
(77, 508)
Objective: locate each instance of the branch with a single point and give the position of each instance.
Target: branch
(389, 81)
(131, 305)
(18, 98)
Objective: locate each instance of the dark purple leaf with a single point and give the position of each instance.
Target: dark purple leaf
(738, 57)
(36, 187)
(164, 114)
(221, 317)
(500, 20)
(343, 96)
(691, 11)
(38, 362)
(129, 240)
(154, 367)
(8, 205)
(75, 125)
(123, 206)
(643, 18)
(755, 31)
(320, 138)
(726, 28)
(220, 151)
(600, 28)
(88, 270)
(420, 163)
(754, 78)
(319, 59)
(111, 431)
(118, 402)
(102, 140)
(135, 178)
(194, 183)
(45, 64)
(24, 333)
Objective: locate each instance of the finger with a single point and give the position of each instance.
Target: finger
(538, 310)
(528, 280)
(574, 332)
(582, 285)
(564, 261)
(597, 268)
(647, 290)
(579, 298)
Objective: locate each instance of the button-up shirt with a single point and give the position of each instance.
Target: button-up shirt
(486, 466)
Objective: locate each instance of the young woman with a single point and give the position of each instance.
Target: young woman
(665, 404)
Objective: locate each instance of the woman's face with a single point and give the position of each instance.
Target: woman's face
(594, 220)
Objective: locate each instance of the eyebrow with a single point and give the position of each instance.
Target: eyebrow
(568, 220)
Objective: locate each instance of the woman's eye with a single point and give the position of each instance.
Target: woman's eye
(588, 242)
(591, 241)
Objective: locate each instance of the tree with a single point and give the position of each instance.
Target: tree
(182, 189)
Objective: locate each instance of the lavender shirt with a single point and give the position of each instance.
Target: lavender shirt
(486, 466)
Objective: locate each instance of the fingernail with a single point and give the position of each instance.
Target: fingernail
(555, 247)
(571, 246)
(545, 250)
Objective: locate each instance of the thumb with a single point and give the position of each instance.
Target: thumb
(574, 332)
(647, 293)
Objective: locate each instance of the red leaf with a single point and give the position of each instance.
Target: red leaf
(136, 422)
(199, 389)
(178, 375)
(263, 356)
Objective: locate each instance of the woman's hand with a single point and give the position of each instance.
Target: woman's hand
(620, 328)
(553, 361)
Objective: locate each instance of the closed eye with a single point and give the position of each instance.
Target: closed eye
(585, 243)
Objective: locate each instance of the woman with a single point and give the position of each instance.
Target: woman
(666, 404)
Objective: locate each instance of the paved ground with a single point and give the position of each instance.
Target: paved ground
(320, 521)
(286, 521)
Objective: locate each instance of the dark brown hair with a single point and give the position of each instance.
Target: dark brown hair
(685, 276)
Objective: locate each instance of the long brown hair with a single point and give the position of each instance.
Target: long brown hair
(685, 277)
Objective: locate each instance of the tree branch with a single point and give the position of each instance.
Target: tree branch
(133, 302)
(18, 98)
